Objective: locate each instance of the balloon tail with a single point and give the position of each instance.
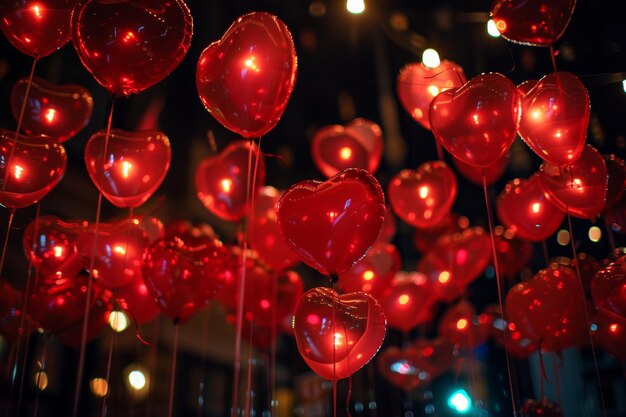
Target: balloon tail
(553, 58)
(173, 375)
(333, 279)
(83, 343)
(42, 368)
(587, 321)
(348, 397)
(543, 375)
(6, 239)
(439, 150)
(107, 377)
(546, 255)
(499, 285)
(273, 349)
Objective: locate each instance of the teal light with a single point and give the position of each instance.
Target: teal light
(460, 401)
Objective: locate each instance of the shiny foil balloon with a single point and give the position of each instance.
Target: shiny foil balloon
(190, 234)
(610, 331)
(264, 235)
(29, 168)
(417, 85)
(99, 313)
(506, 334)
(423, 197)
(245, 79)
(373, 273)
(134, 166)
(407, 301)
(587, 267)
(117, 250)
(37, 28)
(357, 145)
(332, 224)
(58, 111)
(222, 180)
(338, 334)
(616, 184)
(524, 208)
(50, 245)
(555, 117)
(425, 239)
(137, 302)
(608, 286)
(130, 45)
(455, 261)
(532, 22)
(463, 328)
(478, 122)
(182, 278)
(513, 253)
(492, 172)
(580, 188)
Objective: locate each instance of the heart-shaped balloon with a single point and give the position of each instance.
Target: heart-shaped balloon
(513, 253)
(492, 172)
(416, 365)
(610, 331)
(331, 225)
(222, 180)
(478, 122)
(37, 28)
(99, 313)
(586, 265)
(183, 278)
(130, 45)
(50, 245)
(418, 84)
(455, 261)
(117, 250)
(246, 78)
(463, 328)
(549, 309)
(357, 145)
(506, 334)
(137, 302)
(532, 22)
(425, 239)
(608, 286)
(423, 197)
(407, 301)
(580, 188)
(59, 111)
(374, 272)
(338, 334)
(29, 168)
(555, 116)
(264, 234)
(133, 167)
(616, 184)
(524, 208)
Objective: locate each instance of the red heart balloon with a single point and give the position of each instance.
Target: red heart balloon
(11, 302)
(418, 84)
(358, 145)
(407, 301)
(455, 261)
(59, 111)
(31, 167)
(616, 183)
(246, 78)
(50, 245)
(608, 286)
(373, 273)
(543, 408)
(423, 198)
(463, 328)
(587, 267)
(555, 116)
(513, 254)
(492, 172)
(610, 331)
(183, 278)
(264, 234)
(331, 225)
(425, 239)
(338, 334)
(416, 365)
(478, 122)
(117, 250)
(130, 45)
(524, 208)
(532, 22)
(506, 334)
(549, 309)
(580, 188)
(134, 166)
(98, 320)
(37, 28)
(136, 301)
(222, 180)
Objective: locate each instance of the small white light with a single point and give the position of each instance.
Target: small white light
(118, 321)
(137, 379)
(624, 85)
(430, 58)
(355, 6)
(492, 30)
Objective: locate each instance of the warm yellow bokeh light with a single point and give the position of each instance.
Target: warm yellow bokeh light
(595, 234)
(41, 380)
(99, 387)
(492, 29)
(562, 237)
(355, 6)
(430, 58)
(118, 321)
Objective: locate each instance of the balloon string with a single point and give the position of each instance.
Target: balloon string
(42, 368)
(348, 397)
(552, 57)
(83, 343)
(107, 376)
(609, 233)
(372, 390)
(347, 345)
(557, 379)
(546, 256)
(153, 366)
(499, 285)
(6, 239)
(542, 374)
(203, 356)
(173, 376)
(333, 279)
(19, 124)
(587, 321)
(439, 150)
(273, 349)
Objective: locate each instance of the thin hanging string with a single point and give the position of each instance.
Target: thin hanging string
(499, 285)
(546, 256)
(203, 357)
(83, 343)
(6, 239)
(273, 348)
(153, 365)
(439, 150)
(587, 320)
(173, 376)
(348, 396)
(553, 58)
(107, 376)
(334, 278)
(372, 389)
(543, 376)
(609, 233)
(556, 368)
(347, 345)
(42, 368)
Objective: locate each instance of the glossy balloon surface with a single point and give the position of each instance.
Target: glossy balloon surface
(137, 302)
(513, 253)
(245, 79)
(99, 313)
(331, 225)
(407, 301)
(130, 45)
(610, 333)
(336, 344)
(608, 286)
(373, 273)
